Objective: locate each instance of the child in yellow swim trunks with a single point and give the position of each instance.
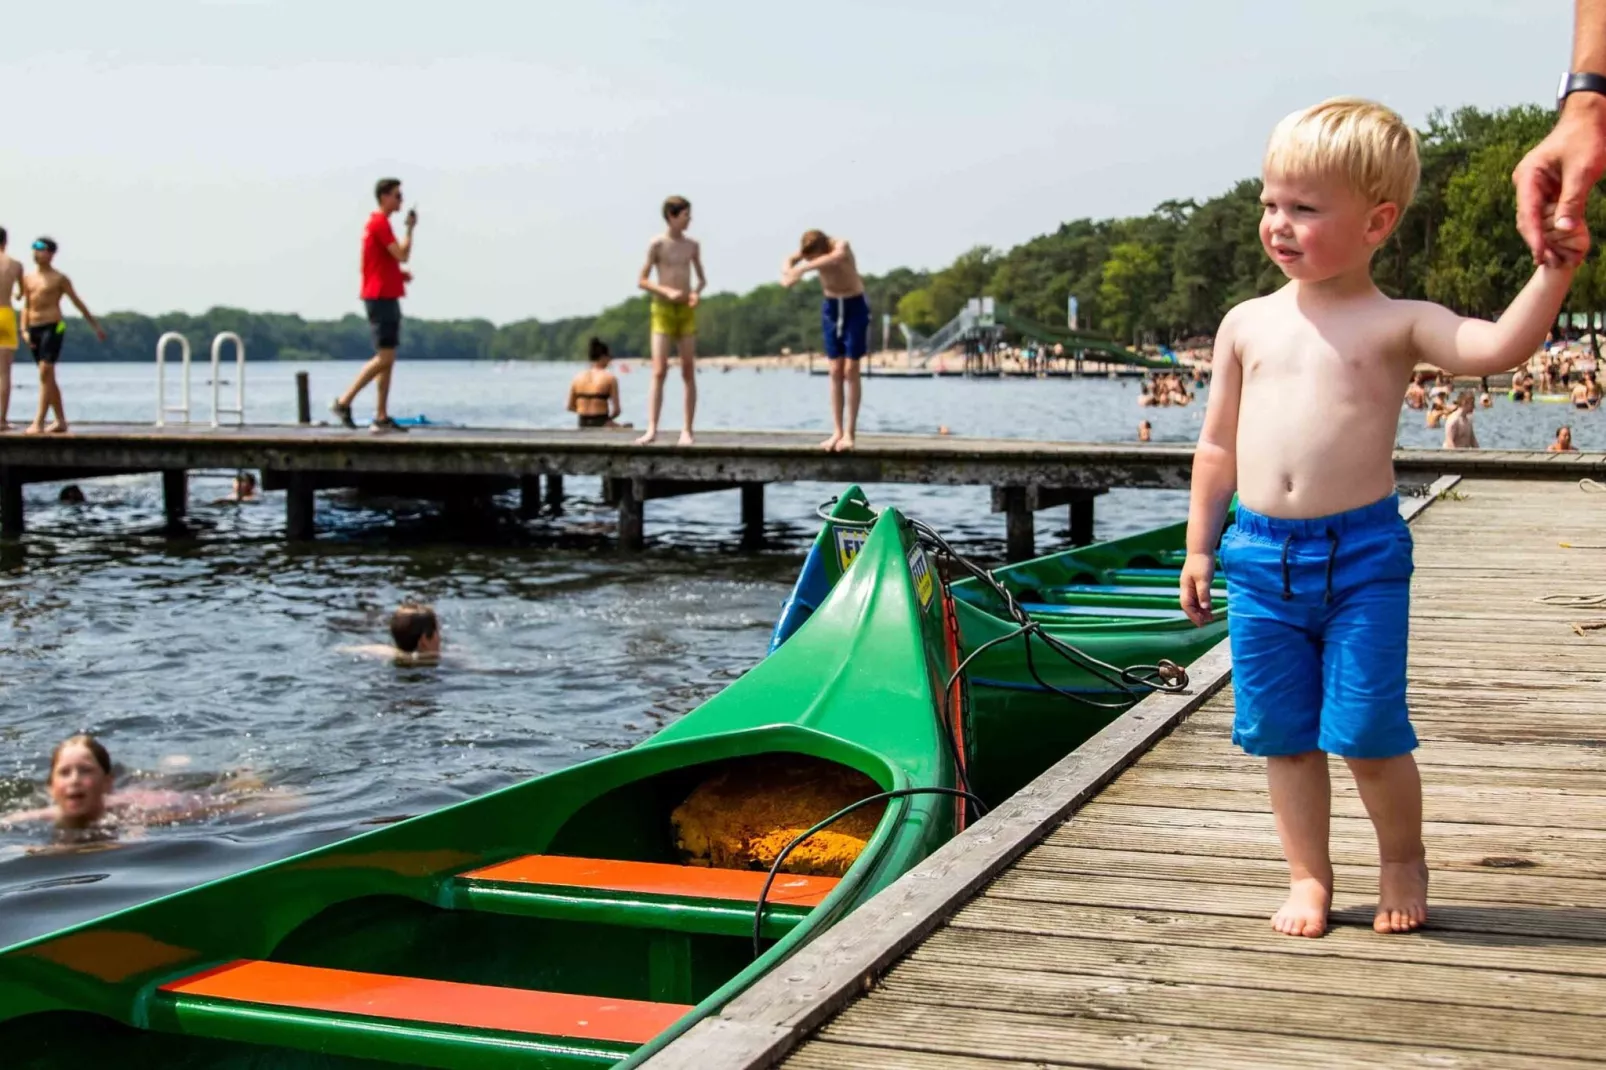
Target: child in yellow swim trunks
(10, 289)
(674, 312)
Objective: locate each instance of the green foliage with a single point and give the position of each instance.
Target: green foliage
(1170, 274)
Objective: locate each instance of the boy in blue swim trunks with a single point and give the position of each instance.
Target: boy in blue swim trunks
(1301, 423)
(844, 320)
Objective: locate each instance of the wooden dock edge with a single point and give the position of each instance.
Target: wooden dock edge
(762, 1025)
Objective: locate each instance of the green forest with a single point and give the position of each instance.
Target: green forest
(1163, 277)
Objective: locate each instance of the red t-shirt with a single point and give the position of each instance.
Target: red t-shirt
(381, 272)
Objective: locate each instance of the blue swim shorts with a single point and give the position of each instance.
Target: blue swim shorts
(845, 322)
(1318, 619)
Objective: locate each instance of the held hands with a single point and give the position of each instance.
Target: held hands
(1564, 248)
(1197, 572)
(1553, 181)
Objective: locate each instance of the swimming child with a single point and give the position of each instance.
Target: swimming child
(594, 393)
(844, 320)
(244, 490)
(674, 312)
(1145, 432)
(1458, 430)
(415, 636)
(1415, 396)
(82, 796)
(1563, 442)
(1301, 423)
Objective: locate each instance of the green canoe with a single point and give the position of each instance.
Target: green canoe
(554, 923)
(1114, 602)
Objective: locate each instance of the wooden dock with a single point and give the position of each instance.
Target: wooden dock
(453, 464)
(1114, 914)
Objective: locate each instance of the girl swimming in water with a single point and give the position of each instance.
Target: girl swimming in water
(82, 798)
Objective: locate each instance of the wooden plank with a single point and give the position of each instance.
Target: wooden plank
(1237, 900)
(1492, 885)
(896, 1026)
(1469, 807)
(1554, 858)
(829, 1055)
(1392, 1021)
(834, 969)
(1123, 925)
(1444, 782)
(1275, 971)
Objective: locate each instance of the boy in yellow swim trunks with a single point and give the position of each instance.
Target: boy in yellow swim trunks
(674, 312)
(10, 288)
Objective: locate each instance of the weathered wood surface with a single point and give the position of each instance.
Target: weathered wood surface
(728, 456)
(1135, 933)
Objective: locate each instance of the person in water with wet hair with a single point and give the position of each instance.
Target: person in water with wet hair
(82, 796)
(415, 634)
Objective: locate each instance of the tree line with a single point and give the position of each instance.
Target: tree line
(1164, 277)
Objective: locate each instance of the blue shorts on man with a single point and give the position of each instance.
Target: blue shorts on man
(845, 322)
(1319, 620)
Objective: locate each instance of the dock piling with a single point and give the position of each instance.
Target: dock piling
(1082, 521)
(299, 502)
(303, 399)
(554, 492)
(529, 496)
(632, 515)
(752, 515)
(175, 497)
(1020, 532)
(10, 502)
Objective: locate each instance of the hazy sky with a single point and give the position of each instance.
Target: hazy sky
(194, 154)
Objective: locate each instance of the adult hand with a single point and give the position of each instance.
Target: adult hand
(412, 218)
(1560, 171)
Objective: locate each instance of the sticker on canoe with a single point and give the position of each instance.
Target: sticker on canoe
(849, 542)
(920, 572)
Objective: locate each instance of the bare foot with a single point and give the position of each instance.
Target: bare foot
(1304, 912)
(34, 429)
(686, 439)
(57, 428)
(649, 438)
(845, 444)
(830, 443)
(1402, 897)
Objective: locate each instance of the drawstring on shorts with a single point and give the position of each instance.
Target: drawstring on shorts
(1332, 558)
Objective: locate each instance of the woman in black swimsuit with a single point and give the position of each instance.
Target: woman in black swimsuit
(594, 393)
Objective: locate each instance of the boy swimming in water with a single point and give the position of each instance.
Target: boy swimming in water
(674, 312)
(844, 319)
(415, 635)
(1301, 423)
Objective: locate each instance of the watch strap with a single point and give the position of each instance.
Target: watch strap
(1580, 82)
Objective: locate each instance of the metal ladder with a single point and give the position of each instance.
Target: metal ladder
(163, 409)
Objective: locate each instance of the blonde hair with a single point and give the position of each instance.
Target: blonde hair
(1363, 142)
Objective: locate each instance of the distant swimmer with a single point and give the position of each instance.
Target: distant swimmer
(415, 636)
(594, 393)
(1145, 432)
(1579, 394)
(674, 312)
(1416, 396)
(384, 284)
(1458, 432)
(844, 320)
(244, 491)
(42, 291)
(10, 290)
(82, 796)
(1563, 442)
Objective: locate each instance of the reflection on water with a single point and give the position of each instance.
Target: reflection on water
(221, 646)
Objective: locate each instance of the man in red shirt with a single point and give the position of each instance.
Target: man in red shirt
(384, 284)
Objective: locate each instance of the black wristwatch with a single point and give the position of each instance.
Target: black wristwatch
(1579, 82)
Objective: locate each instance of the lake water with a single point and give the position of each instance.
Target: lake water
(198, 657)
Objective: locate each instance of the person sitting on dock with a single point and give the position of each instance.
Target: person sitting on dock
(1458, 431)
(1563, 442)
(594, 393)
(1318, 560)
(384, 284)
(844, 320)
(42, 291)
(415, 637)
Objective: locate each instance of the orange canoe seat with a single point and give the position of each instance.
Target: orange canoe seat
(641, 894)
(308, 1006)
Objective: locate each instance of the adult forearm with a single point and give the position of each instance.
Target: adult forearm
(1215, 477)
(1589, 36)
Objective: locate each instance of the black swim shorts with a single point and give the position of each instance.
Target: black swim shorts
(384, 316)
(44, 339)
